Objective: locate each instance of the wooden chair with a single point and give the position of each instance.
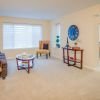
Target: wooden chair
(44, 48)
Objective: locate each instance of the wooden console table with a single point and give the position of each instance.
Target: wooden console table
(73, 60)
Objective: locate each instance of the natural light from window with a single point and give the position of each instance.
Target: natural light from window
(17, 36)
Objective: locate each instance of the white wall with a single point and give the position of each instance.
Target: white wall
(88, 36)
(12, 53)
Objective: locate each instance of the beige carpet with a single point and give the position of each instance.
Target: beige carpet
(50, 80)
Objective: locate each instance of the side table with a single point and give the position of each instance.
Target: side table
(25, 62)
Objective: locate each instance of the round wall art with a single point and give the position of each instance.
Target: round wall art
(73, 32)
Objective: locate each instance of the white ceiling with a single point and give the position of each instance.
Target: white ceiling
(42, 9)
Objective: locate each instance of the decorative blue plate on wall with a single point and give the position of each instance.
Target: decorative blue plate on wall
(73, 32)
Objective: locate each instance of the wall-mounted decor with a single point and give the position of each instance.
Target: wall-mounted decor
(58, 41)
(67, 45)
(58, 32)
(73, 32)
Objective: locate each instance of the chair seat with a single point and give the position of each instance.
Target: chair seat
(43, 51)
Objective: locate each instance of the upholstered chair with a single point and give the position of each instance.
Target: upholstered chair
(44, 48)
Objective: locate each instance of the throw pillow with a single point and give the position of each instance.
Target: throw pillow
(45, 46)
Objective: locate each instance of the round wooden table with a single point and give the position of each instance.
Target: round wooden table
(25, 62)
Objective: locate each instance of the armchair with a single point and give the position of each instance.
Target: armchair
(44, 48)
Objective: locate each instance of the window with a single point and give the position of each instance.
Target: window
(21, 36)
(58, 31)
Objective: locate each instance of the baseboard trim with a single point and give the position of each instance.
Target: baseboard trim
(10, 58)
(92, 68)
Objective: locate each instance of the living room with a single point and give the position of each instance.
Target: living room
(51, 79)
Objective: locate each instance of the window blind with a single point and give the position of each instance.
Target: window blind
(21, 36)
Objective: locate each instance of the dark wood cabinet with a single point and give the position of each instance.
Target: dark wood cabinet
(73, 57)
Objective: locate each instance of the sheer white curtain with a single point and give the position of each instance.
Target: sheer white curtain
(21, 36)
(58, 29)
